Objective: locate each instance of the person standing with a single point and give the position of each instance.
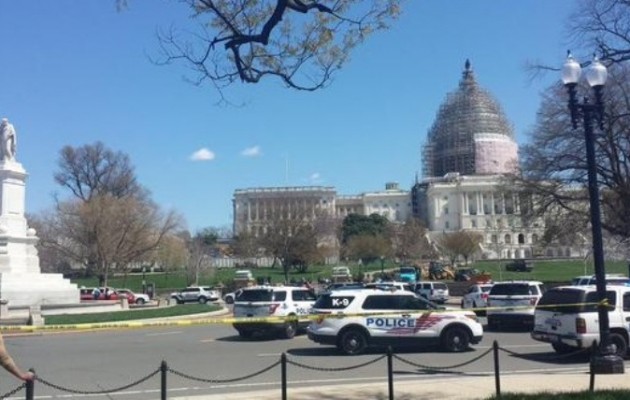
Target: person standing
(7, 363)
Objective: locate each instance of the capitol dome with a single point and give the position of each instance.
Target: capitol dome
(470, 135)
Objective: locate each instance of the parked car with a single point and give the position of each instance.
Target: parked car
(476, 296)
(399, 317)
(104, 293)
(567, 318)
(344, 286)
(341, 274)
(611, 279)
(195, 294)
(389, 285)
(512, 303)
(229, 298)
(519, 266)
(433, 291)
(133, 298)
(272, 301)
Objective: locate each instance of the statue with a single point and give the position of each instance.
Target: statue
(9, 141)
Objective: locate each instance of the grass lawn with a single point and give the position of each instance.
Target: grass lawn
(548, 271)
(585, 395)
(179, 310)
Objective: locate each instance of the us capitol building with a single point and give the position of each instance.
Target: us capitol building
(469, 151)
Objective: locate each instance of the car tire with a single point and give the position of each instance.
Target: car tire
(229, 300)
(202, 300)
(456, 339)
(620, 343)
(353, 342)
(290, 329)
(561, 348)
(179, 301)
(140, 301)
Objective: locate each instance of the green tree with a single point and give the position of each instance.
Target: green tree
(367, 248)
(356, 224)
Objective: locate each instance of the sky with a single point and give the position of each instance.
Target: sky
(73, 72)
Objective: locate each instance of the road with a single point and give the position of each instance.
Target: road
(100, 360)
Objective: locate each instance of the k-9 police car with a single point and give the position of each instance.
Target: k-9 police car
(353, 320)
(264, 309)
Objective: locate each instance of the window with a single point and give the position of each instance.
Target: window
(303, 295)
(508, 239)
(521, 238)
(447, 225)
(626, 301)
(379, 303)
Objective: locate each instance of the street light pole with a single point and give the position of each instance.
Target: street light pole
(605, 361)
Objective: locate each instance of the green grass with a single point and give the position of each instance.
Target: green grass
(551, 271)
(618, 394)
(166, 283)
(93, 318)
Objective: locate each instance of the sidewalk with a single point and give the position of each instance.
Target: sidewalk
(452, 388)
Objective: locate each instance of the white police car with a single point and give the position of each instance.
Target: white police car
(255, 304)
(353, 320)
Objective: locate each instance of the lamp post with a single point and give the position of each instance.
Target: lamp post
(605, 361)
(382, 267)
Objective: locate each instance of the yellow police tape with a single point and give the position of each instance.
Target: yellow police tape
(247, 320)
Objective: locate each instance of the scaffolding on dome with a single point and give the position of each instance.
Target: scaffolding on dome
(468, 113)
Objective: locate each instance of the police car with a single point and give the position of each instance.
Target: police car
(354, 320)
(254, 304)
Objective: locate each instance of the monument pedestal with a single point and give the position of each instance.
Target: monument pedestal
(21, 280)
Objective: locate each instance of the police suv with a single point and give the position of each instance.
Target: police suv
(567, 318)
(264, 309)
(353, 320)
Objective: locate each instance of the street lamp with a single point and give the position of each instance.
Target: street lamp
(605, 361)
(382, 267)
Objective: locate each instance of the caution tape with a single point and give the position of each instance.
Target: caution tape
(261, 320)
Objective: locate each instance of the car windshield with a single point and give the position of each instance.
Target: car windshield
(256, 295)
(510, 289)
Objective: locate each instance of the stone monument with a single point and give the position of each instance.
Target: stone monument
(21, 280)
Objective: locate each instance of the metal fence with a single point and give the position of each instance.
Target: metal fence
(164, 370)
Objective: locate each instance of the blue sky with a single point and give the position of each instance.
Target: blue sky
(76, 71)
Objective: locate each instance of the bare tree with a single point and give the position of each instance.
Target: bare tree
(301, 42)
(459, 243)
(93, 169)
(292, 240)
(111, 221)
(410, 240)
(603, 26)
(172, 254)
(554, 161)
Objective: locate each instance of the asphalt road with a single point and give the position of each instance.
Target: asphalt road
(101, 360)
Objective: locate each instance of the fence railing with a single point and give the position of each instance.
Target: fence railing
(163, 370)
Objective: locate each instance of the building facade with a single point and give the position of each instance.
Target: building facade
(469, 152)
